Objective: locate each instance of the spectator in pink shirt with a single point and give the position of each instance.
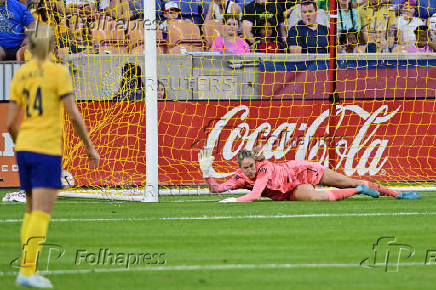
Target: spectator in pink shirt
(229, 42)
(292, 180)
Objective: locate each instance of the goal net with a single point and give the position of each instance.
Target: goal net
(380, 127)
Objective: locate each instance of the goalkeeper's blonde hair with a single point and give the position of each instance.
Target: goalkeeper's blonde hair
(40, 40)
(244, 153)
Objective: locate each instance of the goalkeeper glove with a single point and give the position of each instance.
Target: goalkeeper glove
(205, 160)
(230, 199)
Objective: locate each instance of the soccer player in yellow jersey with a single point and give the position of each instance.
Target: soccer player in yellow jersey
(40, 92)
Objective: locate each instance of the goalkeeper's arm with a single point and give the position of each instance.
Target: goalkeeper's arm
(228, 185)
(205, 160)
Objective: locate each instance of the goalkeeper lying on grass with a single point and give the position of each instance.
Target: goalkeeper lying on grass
(292, 180)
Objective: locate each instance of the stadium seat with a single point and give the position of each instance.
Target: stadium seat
(184, 35)
(113, 46)
(137, 48)
(212, 29)
(161, 43)
(136, 45)
(115, 31)
(108, 31)
(135, 32)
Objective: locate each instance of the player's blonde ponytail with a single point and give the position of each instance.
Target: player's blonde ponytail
(40, 40)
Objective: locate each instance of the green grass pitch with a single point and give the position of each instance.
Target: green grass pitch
(202, 244)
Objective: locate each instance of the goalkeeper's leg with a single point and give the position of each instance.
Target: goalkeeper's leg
(384, 191)
(306, 192)
(335, 179)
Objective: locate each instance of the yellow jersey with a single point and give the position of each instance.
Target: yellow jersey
(39, 92)
(383, 19)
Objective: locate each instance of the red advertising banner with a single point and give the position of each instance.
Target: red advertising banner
(375, 140)
(8, 163)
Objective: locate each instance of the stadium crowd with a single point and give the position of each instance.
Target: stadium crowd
(266, 26)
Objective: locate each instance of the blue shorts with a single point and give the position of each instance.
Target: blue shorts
(39, 170)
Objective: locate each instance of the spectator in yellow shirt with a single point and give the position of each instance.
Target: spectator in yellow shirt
(377, 17)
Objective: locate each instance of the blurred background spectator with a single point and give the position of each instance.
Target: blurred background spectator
(349, 42)
(286, 4)
(265, 43)
(308, 36)
(378, 42)
(161, 91)
(171, 12)
(348, 18)
(425, 8)
(229, 42)
(375, 19)
(131, 85)
(120, 11)
(432, 28)
(294, 15)
(422, 44)
(14, 17)
(323, 4)
(260, 10)
(218, 8)
(136, 8)
(407, 23)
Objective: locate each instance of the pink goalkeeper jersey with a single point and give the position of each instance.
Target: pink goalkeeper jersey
(274, 180)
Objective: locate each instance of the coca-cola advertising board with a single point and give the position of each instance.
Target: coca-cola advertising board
(375, 140)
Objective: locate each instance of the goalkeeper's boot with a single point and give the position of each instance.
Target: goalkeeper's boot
(35, 280)
(408, 195)
(365, 189)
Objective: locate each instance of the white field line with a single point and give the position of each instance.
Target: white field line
(113, 201)
(316, 215)
(208, 267)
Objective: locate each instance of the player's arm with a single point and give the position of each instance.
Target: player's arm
(259, 186)
(205, 160)
(13, 124)
(79, 126)
(15, 109)
(233, 183)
